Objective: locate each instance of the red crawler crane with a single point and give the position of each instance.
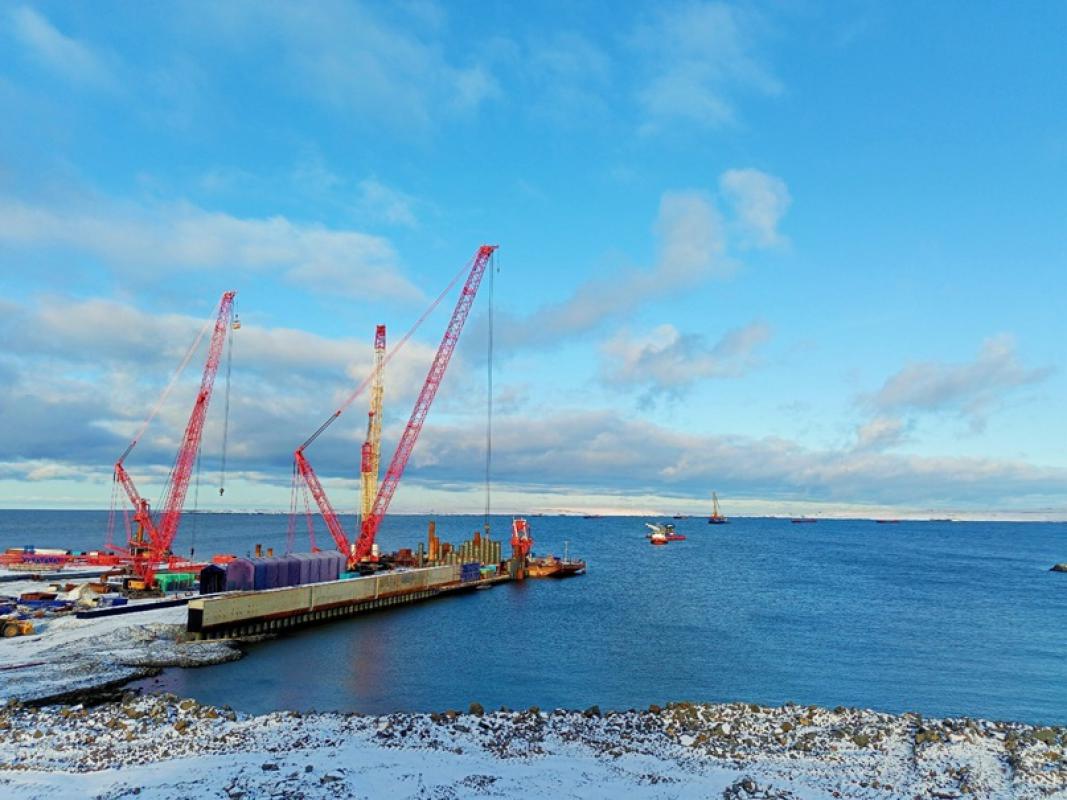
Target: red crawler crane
(363, 546)
(152, 540)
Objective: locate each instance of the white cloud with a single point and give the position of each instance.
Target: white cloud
(145, 241)
(75, 61)
(581, 451)
(759, 201)
(665, 360)
(879, 433)
(388, 63)
(390, 205)
(286, 381)
(699, 54)
(692, 246)
(80, 376)
(971, 389)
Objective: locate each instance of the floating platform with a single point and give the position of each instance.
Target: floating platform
(236, 614)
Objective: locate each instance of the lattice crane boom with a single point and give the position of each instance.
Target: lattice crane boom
(329, 515)
(370, 457)
(155, 537)
(372, 521)
(174, 498)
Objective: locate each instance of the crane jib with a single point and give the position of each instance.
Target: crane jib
(422, 405)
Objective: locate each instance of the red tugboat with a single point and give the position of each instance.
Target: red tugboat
(662, 533)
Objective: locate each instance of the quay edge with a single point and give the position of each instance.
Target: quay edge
(255, 613)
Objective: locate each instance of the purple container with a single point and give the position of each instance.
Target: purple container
(292, 566)
(303, 560)
(314, 568)
(259, 577)
(337, 566)
(240, 575)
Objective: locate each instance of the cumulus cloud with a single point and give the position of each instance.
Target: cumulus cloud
(699, 54)
(146, 241)
(759, 202)
(285, 383)
(387, 62)
(587, 451)
(73, 60)
(70, 414)
(668, 361)
(879, 433)
(691, 250)
(388, 204)
(971, 389)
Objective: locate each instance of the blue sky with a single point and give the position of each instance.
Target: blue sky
(809, 255)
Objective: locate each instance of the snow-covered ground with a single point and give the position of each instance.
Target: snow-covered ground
(67, 654)
(163, 747)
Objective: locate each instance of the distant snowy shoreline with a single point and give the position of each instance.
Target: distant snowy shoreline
(162, 746)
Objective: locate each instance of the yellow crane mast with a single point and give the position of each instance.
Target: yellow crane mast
(372, 447)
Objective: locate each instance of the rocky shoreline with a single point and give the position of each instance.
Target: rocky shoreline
(163, 746)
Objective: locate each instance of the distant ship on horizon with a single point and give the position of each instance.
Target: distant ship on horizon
(716, 518)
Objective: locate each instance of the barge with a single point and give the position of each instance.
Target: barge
(254, 613)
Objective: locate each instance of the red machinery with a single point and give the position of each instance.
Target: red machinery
(151, 542)
(363, 546)
(521, 541)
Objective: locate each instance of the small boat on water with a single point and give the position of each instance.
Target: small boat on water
(716, 518)
(554, 566)
(545, 567)
(662, 533)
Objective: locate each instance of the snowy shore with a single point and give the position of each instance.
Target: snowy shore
(67, 657)
(162, 746)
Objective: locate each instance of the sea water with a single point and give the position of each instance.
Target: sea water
(958, 618)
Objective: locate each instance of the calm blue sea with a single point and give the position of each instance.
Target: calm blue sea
(941, 618)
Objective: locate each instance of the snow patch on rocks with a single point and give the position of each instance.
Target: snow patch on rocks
(68, 657)
(162, 746)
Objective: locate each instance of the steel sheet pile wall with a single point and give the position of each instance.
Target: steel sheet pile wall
(263, 611)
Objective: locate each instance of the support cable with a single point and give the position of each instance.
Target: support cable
(226, 415)
(489, 400)
(388, 357)
(196, 507)
(166, 391)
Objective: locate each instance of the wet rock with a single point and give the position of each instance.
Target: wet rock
(269, 767)
(654, 709)
(476, 709)
(592, 711)
(748, 789)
